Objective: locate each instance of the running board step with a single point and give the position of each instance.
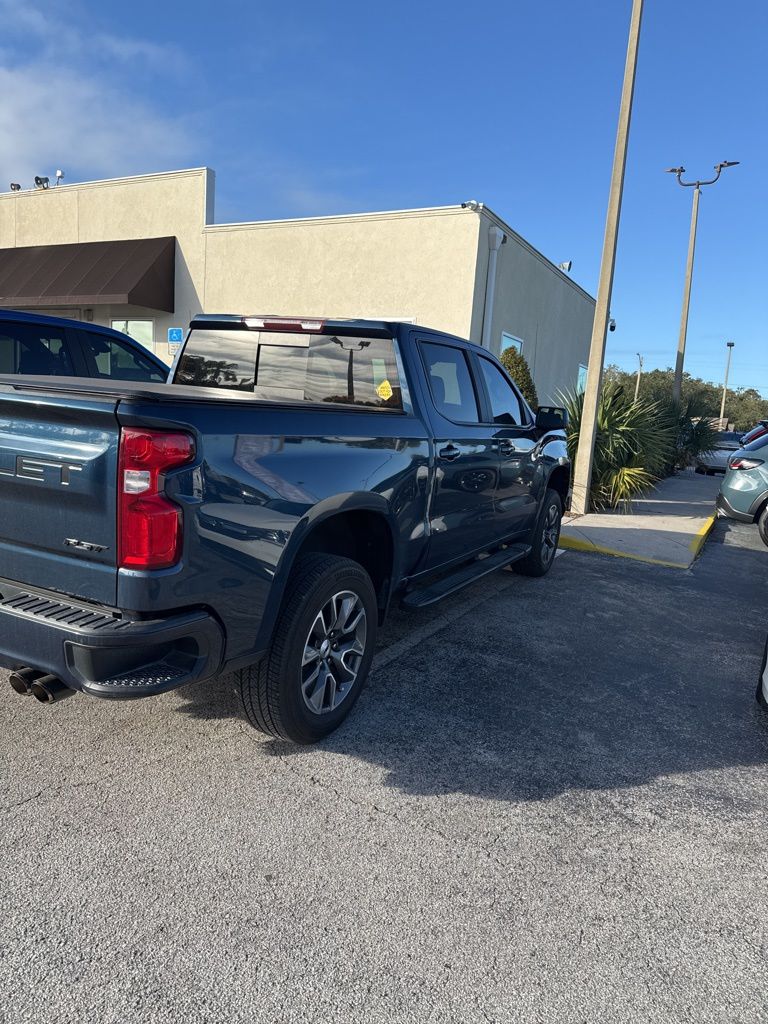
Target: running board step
(460, 578)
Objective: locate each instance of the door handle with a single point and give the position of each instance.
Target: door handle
(449, 452)
(505, 446)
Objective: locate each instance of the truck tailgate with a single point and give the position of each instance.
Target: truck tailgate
(58, 476)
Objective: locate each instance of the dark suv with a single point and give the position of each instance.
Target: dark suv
(32, 344)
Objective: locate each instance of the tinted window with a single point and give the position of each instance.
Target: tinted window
(450, 382)
(505, 405)
(281, 366)
(34, 349)
(110, 358)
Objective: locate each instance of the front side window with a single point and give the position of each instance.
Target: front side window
(279, 366)
(450, 382)
(506, 407)
(34, 349)
(110, 358)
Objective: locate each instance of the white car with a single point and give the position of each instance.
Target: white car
(716, 461)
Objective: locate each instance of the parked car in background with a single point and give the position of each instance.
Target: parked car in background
(716, 460)
(759, 430)
(744, 491)
(52, 346)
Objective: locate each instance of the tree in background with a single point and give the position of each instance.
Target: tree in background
(744, 407)
(515, 364)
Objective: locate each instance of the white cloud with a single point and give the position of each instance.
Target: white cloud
(77, 111)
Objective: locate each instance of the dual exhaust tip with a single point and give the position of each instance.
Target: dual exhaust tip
(45, 688)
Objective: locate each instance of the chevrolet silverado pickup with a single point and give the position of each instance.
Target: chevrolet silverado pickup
(259, 512)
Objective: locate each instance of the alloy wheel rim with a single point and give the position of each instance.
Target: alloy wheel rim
(550, 534)
(333, 652)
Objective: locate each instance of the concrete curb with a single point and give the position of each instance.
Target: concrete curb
(695, 546)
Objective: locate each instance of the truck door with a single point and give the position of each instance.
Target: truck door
(461, 512)
(510, 425)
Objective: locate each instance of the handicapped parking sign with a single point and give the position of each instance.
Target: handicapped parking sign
(175, 335)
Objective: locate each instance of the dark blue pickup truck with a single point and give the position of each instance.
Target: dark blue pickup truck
(259, 513)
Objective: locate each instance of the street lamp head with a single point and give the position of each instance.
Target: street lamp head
(726, 163)
(730, 344)
(675, 170)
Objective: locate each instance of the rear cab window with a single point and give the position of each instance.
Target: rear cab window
(282, 366)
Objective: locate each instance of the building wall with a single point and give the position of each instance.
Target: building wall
(537, 303)
(429, 266)
(412, 265)
(148, 206)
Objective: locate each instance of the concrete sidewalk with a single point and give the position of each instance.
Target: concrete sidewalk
(668, 527)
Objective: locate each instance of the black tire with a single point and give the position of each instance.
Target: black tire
(542, 554)
(762, 525)
(272, 691)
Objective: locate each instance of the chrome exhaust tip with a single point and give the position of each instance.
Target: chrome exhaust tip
(21, 679)
(49, 689)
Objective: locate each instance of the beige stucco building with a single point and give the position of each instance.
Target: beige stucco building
(460, 269)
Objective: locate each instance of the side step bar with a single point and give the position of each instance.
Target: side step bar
(463, 576)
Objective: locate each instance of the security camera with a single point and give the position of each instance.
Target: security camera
(611, 325)
(471, 204)
(59, 176)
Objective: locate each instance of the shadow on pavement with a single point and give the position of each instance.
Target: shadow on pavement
(606, 674)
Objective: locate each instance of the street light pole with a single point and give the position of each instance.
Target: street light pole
(639, 371)
(582, 477)
(696, 186)
(730, 345)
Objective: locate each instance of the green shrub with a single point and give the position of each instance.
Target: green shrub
(634, 446)
(515, 364)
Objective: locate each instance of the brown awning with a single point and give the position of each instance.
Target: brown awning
(136, 272)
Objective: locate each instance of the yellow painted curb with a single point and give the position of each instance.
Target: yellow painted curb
(577, 544)
(699, 540)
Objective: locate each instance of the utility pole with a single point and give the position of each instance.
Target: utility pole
(639, 371)
(584, 457)
(730, 345)
(696, 186)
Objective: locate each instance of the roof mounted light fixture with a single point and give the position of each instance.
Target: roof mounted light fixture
(41, 183)
(471, 204)
(565, 266)
(59, 176)
(15, 186)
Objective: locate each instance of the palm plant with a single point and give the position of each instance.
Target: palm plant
(694, 433)
(635, 444)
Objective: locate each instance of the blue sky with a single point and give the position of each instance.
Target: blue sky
(310, 108)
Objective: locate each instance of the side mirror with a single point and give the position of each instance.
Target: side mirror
(551, 417)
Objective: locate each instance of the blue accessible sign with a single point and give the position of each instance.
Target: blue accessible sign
(175, 335)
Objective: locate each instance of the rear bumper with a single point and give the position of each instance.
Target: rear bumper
(724, 508)
(103, 651)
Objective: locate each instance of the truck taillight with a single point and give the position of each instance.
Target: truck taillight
(148, 523)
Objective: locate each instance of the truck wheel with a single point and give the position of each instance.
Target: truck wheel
(762, 525)
(544, 539)
(320, 655)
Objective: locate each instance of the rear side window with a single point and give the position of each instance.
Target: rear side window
(110, 358)
(450, 382)
(286, 367)
(34, 349)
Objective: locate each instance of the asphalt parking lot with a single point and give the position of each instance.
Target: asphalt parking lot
(551, 804)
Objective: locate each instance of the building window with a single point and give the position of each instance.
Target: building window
(142, 331)
(510, 341)
(581, 380)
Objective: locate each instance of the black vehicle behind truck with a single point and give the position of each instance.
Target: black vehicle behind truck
(260, 513)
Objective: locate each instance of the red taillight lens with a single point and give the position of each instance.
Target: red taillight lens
(739, 462)
(148, 523)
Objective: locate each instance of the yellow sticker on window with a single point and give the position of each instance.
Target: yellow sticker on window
(384, 390)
